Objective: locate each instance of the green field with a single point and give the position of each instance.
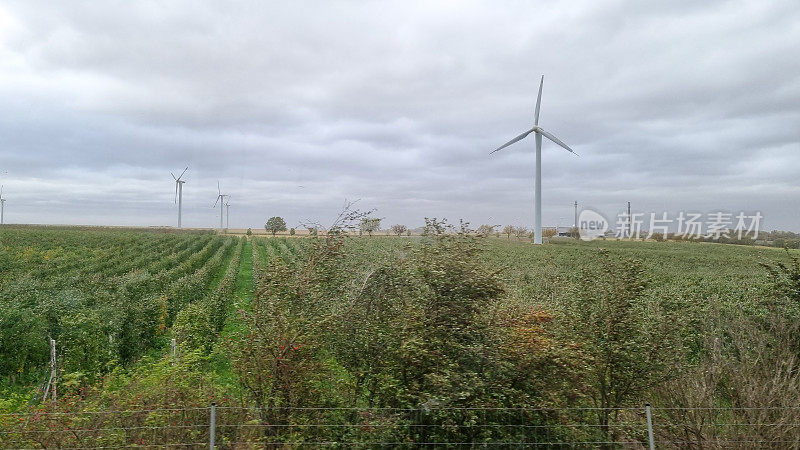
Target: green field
(362, 334)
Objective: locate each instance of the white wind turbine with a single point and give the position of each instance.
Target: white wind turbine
(2, 206)
(227, 214)
(537, 225)
(220, 200)
(179, 192)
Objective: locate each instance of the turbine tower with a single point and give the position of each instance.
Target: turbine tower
(576, 215)
(539, 131)
(2, 206)
(179, 192)
(227, 214)
(220, 200)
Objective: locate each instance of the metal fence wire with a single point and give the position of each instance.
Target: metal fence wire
(226, 427)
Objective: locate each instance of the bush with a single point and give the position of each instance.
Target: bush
(193, 329)
(399, 230)
(485, 230)
(626, 335)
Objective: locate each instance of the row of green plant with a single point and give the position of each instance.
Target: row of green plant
(106, 297)
(198, 322)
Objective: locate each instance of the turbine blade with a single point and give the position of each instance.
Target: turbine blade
(215, 202)
(173, 176)
(557, 141)
(184, 171)
(218, 191)
(176, 192)
(516, 139)
(538, 102)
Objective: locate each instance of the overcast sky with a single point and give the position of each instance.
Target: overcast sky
(296, 107)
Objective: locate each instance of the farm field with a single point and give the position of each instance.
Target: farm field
(446, 338)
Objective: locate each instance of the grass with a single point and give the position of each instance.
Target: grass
(220, 362)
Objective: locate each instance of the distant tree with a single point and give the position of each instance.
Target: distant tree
(399, 229)
(275, 224)
(249, 231)
(291, 231)
(485, 230)
(520, 231)
(509, 230)
(369, 225)
(549, 232)
(574, 233)
(408, 233)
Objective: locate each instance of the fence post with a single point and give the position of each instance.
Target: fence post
(213, 429)
(51, 383)
(53, 370)
(649, 426)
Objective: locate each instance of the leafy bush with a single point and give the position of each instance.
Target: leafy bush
(193, 329)
(626, 337)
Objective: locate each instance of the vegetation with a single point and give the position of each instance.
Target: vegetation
(426, 334)
(399, 230)
(275, 225)
(486, 230)
(369, 225)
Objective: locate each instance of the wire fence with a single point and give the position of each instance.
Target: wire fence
(228, 427)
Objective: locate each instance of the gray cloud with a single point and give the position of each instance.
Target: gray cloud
(296, 107)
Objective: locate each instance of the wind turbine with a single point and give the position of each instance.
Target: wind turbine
(2, 206)
(179, 192)
(227, 214)
(220, 200)
(539, 131)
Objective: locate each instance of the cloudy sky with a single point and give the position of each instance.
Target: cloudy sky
(296, 107)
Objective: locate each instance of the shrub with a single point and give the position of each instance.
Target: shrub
(193, 329)
(485, 230)
(626, 336)
(399, 230)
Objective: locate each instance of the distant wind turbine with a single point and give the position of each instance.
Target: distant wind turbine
(227, 213)
(220, 200)
(179, 192)
(2, 206)
(537, 225)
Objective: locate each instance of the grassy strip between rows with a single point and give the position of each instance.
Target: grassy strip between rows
(220, 362)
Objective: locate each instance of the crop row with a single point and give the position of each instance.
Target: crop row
(107, 297)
